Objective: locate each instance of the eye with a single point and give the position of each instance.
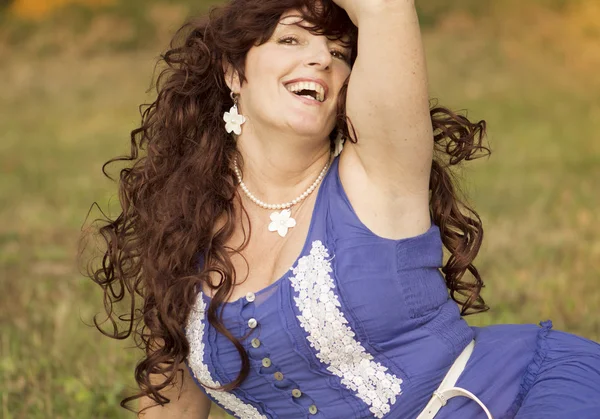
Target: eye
(339, 54)
(288, 40)
(293, 40)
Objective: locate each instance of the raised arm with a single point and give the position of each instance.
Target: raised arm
(388, 105)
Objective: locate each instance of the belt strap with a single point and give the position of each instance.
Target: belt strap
(447, 391)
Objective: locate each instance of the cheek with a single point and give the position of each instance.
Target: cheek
(345, 73)
(264, 74)
(341, 73)
(339, 84)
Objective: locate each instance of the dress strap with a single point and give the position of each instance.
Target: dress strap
(447, 391)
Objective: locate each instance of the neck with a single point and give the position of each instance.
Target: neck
(278, 170)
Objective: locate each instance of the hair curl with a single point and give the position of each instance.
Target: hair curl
(179, 180)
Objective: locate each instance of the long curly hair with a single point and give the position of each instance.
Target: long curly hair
(178, 180)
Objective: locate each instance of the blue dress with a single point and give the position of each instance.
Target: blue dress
(362, 327)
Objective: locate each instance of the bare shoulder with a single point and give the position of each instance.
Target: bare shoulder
(379, 206)
(187, 401)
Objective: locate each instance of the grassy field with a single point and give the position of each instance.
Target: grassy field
(68, 103)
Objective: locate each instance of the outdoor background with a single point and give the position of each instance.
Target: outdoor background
(72, 74)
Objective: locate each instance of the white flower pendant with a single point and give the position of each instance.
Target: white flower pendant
(234, 120)
(281, 222)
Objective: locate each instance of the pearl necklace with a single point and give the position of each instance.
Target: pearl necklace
(280, 221)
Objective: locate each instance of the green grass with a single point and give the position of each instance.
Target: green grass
(65, 111)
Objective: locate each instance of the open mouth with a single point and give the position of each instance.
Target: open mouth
(309, 90)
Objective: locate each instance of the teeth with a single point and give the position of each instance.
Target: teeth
(315, 87)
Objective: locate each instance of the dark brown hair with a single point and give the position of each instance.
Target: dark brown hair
(179, 180)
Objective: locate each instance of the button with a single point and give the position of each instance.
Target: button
(250, 297)
(255, 343)
(252, 323)
(278, 376)
(312, 409)
(266, 362)
(296, 393)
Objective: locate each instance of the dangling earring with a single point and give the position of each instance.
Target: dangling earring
(233, 120)
(339, 144)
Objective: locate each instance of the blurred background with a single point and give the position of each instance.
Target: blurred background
(72, 74)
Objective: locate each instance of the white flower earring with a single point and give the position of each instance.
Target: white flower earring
(233, 120)
(339, 144)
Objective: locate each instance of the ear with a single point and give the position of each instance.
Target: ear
(232, 77)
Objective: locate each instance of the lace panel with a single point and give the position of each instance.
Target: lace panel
(195, 333)
(333, 339)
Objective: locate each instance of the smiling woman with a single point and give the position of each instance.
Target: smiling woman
(284, 277)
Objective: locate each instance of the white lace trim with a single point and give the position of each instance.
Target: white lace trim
(333, 340)
(195, 333)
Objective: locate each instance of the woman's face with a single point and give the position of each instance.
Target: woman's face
(294, 80)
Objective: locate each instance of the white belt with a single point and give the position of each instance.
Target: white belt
(446, 390)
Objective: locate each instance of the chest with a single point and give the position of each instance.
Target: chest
(325, 319)
(264, 256)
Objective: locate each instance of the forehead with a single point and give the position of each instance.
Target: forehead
(293, 17)
(297, 18)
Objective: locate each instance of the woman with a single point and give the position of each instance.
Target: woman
(248, 173)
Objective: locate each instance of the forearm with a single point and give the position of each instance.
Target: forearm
(392, 61)
(388, 92)
(187, 401)
(178, 408)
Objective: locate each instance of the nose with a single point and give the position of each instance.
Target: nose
(319, 56)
